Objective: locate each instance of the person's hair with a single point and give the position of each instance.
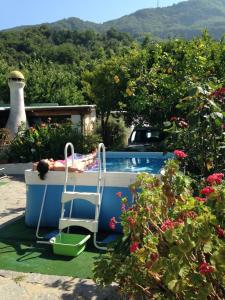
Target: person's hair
(42, 168)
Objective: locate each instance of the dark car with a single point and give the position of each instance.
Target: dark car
(146, 138)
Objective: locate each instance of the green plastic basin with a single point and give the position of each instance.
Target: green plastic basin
(68, 244)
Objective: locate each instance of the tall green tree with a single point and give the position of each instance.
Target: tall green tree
(105, 86)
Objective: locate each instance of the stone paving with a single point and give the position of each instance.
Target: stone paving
(25, 286)
(12, 198)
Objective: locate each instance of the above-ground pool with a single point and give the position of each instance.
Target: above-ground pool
(121, 171)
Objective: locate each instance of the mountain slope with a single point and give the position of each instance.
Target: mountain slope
(185, 19)
(74, 24)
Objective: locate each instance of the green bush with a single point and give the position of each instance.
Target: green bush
(115, 133)
(48, 140)
(174, 242)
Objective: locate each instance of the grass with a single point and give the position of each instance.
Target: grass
(20, 252)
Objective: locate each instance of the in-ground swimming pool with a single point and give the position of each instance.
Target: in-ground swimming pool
(121, 171)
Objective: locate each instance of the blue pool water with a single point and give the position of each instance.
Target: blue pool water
(134, 162)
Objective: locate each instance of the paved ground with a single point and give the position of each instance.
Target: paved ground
(25, 286)
(12, 198)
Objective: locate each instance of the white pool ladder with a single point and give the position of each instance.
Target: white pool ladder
(95, 197)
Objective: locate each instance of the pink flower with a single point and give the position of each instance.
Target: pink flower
(134, 247)
(220, 231)
(180, 154)
(123, 207)
(207, 191)
(200, 199)
(119, 194)
(183, 124)
(215, 178)
(168, 224)
(205, 268)
(112, 223)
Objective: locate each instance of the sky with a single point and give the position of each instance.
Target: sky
(30, 12)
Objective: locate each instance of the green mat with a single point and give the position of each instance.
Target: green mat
(20, 252)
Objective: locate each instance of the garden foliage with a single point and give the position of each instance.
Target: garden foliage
(174, 241)
(111, 70)
(116, 137)
(47, 140)
(201, 132)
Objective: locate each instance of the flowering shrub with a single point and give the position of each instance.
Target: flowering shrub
(201, 133)
(180, 154)
(173, 244)
(47, 140)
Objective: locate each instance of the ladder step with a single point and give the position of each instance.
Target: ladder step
(93, 198)
(90, 224)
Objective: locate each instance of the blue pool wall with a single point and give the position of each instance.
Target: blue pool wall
(85, 182)
(110, 207)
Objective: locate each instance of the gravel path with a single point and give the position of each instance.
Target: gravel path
(25, 286)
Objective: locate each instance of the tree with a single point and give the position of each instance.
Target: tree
(105, 85)
(48, 82)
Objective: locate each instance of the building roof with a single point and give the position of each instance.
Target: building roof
(54, 110)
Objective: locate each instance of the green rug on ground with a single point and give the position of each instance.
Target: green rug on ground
(2, 183)
(20, 252)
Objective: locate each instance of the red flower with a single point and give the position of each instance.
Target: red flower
(219, 93)
(134, 247)
(200, 199)
(178, 222)
(207, 191)
(131, 221)
(172, 119)
(180, 154)
(215, 178)
(112, 223)
(168, 224)
(119, 194)
(187, 214)
(148, 209)
(205, 268)
(154, 256)
(220, 232)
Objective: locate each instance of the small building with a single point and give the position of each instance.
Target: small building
(82, 116)
(11, 117)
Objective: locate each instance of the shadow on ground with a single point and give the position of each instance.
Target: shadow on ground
(84, 289)
(11, 211)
